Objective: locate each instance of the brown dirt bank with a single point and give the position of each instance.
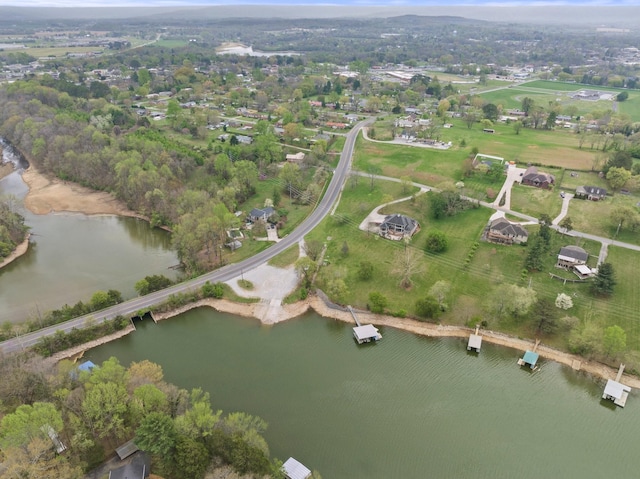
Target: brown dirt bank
(417, 327)
(5, 168)
(47, 195)
(21, 249)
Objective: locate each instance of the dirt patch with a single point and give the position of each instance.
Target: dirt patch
(47, 195)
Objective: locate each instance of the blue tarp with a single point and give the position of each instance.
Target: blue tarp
(86, 366)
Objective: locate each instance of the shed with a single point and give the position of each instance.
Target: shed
(126, 450)
(530, 359)
(616, 392)
(366, 333)
(294, 469)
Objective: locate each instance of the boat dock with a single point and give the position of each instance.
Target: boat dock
(475, 341)
(530, 358)
(616, 391)
(364, 333)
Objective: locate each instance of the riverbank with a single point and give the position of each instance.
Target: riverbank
(416, 327)
(49, 195)
(21, 249)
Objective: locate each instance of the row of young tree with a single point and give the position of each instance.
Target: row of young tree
(93, 411)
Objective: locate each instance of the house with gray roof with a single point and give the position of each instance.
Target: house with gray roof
(593, 193)
(398, 226)
(503, 231)
(571, 256)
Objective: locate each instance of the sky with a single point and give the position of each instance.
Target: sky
(350, 3)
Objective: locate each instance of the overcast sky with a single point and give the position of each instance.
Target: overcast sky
(389, 3)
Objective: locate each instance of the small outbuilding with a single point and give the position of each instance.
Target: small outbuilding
(529, 359)
(475, 342)
(294, 469)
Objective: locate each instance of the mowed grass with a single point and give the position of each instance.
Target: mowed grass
(582, 178)
(535, 201)
(595, 217)
(623, 308)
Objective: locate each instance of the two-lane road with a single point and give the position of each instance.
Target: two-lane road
(129, 308)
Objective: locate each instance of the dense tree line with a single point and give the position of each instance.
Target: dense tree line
(92, 412)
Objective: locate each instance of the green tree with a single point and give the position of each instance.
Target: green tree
(190, 459)
(377, 302)
(26, 423)
(490, 111)
(545, 316)
(306, 268)
(566, 224)
(199, 420)
(614, 341)
(622, 96)
(604, 281)
(436, 242)
(427, 307)
(157, 434)
(291, 178)
(105, 407)
(527, 104)
(618, 177)
(213, 290)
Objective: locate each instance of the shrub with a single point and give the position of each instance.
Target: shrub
(377, 302)
(436, 242)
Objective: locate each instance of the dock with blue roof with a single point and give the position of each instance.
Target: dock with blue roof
(530, 358)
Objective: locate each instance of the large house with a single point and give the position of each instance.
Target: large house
(571, 256)
(503, 231)
(574, 258)
(533, 177)
(398, 227)
(593, 193)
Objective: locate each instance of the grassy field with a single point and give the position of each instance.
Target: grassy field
(582, 178)
(623, 308)
(535, 201)
(546, 147)
(595, 217)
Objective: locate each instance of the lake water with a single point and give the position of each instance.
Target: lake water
(406, 407)
(71, 256)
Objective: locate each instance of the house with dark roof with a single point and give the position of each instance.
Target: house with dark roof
(398, 227)
(502, 231)
(137, 468)
(571, 256)
(263, 214)
(533, 177)
(593, 193)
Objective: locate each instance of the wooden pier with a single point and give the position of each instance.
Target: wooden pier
(530, 358)
(475, 341)
(364, 333)
(616, 391)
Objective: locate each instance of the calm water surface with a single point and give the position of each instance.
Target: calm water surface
(406, 407)
(71, 256)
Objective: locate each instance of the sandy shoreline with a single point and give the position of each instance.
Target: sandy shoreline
(416, 327)
(48, 195)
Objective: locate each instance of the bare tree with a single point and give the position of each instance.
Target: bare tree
(406, 265)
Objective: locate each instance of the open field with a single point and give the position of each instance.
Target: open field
(546, 147)
(623, 308)
(535, 201)
(581, 178)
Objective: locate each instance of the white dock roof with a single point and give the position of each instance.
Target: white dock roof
(295, 470)
(615, 389)
(475, 341)
(366, 331)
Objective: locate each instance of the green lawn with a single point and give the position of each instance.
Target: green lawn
(582, 178)
(535, 201)
(595, 217)
(623, 308)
